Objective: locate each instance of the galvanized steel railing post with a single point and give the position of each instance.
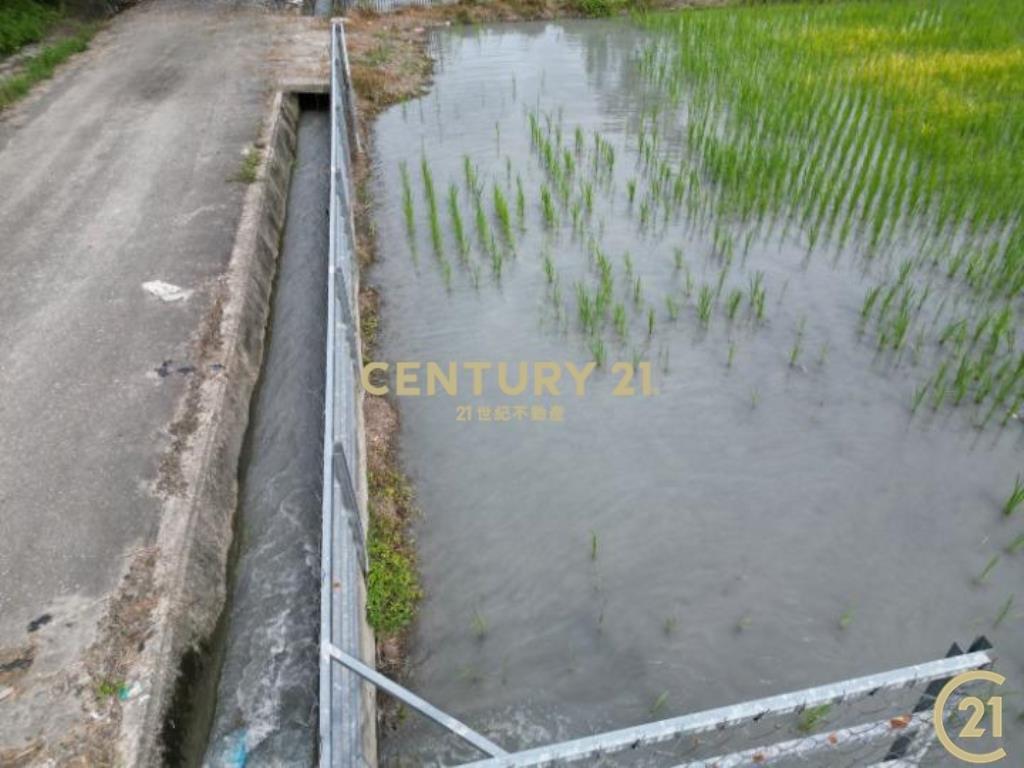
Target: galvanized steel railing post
(343, 546)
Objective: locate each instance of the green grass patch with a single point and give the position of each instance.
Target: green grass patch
(23, 22)
(393, 588)
(601, 8)
(42, 66)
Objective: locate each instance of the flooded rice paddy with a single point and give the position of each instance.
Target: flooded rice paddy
(785, 508)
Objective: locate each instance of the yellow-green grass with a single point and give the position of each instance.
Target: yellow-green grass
(41, 67)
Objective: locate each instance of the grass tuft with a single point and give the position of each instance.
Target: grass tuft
(250, 170)
(42, 66)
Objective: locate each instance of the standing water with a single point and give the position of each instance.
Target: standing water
(770, 517)
(267, 694)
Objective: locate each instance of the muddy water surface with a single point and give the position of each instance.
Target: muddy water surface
(753, 527)
(267, 692)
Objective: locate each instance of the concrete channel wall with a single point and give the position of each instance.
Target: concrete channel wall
(196, 532)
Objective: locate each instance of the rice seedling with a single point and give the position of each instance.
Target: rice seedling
(659, 703)
(899, 326)
(982, 577)
(705, 302)
(446, 273)
(479, 624)
(504, 217)
(645, 213)
(435, 219)
(593, 545)
(483, 228)
(585, 308)
(669, 625)
(798, 344)
(631, 190)
(757, 295)
(407, 205)
(1015, 499)
(1016, 545)
(569, 162)
(755, 398)
(548, 207)
(677, 258)
(520, 203)
(549, 268)
(672, 307)
(732, 303)
(497, 260)
(732, 354)
(869, 302)
(637, 290)
(918, 398)
(650, 322)
(469, 172)
(635, 358)
(597, 351)
(1003, 612)
(456, 216)
(619, 320)
(939, 385)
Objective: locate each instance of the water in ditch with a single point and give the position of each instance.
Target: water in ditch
(753, 527)
(267, 692)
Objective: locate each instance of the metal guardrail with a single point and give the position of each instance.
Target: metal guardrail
(717, 720)
(343, 543)
(912, 729)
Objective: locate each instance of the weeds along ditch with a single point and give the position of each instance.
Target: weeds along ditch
(800, 225)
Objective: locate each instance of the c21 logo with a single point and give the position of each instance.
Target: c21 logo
(984, 717)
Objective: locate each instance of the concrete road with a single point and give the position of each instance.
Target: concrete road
(116, 175)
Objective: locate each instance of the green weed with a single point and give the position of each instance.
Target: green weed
(812, 717)
(250, 170)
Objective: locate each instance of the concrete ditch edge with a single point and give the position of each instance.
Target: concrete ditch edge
(196, 527)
